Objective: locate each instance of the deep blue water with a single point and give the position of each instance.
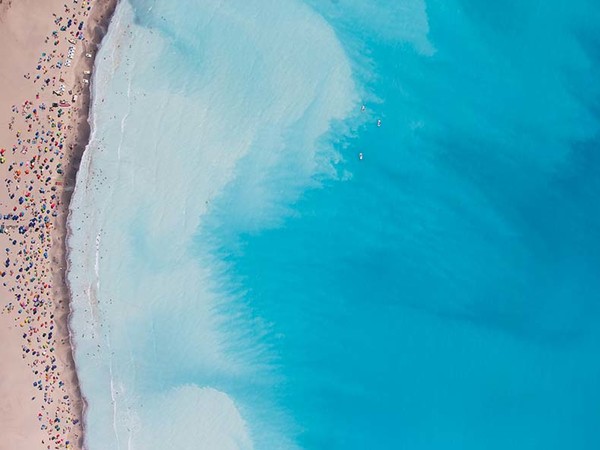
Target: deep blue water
(446, 296)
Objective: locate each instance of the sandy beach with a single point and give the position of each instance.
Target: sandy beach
(46, 49)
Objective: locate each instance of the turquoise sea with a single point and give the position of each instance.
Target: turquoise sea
(341, 224)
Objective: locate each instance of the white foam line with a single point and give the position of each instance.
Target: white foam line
(97, 263)
(113, 392)
(88, 293)
(123, 121)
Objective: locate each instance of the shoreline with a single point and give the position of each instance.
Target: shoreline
(35, 310)
(82, 134)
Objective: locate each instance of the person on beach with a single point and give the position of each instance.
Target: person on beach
(42, 129)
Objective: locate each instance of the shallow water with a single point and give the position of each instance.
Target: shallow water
(241, 279)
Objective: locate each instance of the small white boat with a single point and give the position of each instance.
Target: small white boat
(378, 122)
(360, 156)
